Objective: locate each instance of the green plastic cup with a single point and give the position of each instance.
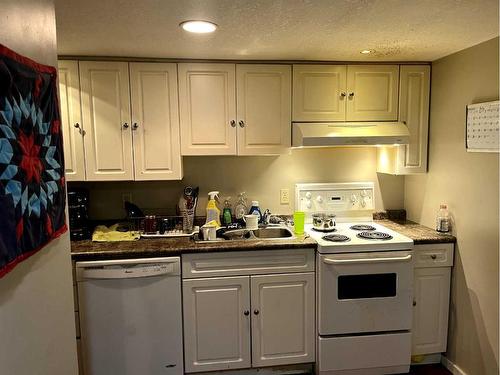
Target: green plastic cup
(298, 220)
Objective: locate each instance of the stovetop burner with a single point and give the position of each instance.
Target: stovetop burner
(363, 227)
(336, 238)
(329, 230)
(374, 236)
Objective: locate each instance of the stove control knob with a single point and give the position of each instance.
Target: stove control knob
(308, 204)
(353, 199)
(362, 202)
(308, 195)
(319, 199)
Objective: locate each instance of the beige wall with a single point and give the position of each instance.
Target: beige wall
(37, 327)
(468, 182)
(261, 177)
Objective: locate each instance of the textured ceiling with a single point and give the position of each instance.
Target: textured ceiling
(411, 30)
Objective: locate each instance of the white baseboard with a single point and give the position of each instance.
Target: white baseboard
(453, 368)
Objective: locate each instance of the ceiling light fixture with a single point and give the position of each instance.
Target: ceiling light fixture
(366, 51)
(199, 27)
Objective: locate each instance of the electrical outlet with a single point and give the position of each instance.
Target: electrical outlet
(285, 196)
(126, 197)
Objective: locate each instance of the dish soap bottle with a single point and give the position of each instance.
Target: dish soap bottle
(241, 208)
(255, 210)
(213, 212)
(226, 212)
(443, 219)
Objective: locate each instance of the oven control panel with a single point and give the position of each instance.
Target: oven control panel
(335, 198)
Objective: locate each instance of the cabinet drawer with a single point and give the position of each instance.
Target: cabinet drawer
(433, 255)
(247, 263)
(338, 355)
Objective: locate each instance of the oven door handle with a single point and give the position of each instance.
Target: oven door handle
(369, 260)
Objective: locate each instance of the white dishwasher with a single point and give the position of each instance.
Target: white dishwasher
(130, 316)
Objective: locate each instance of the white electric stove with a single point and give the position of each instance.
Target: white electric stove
(364, 283)
(352, 237)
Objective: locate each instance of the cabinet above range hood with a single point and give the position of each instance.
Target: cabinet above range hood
(349, 134)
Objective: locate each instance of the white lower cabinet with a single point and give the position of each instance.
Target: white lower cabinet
(250, 320)
(216, 323)
(282, 319)
(431, 298)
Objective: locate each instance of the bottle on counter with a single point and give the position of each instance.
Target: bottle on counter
(226, 212)
(255, 210)
(443, 219)
(213, 212)
(241, 207)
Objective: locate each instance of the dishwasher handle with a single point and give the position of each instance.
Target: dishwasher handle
(126, 269)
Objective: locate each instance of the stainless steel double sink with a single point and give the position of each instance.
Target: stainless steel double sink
(267, 233)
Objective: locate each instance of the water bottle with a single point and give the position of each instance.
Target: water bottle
(443, 219)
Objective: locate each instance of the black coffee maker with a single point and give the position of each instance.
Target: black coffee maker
(78, 202)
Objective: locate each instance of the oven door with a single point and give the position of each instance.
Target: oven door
(365, 292)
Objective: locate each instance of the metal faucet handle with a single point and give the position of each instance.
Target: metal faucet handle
(266, 216)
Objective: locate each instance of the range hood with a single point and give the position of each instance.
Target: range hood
(349, 134)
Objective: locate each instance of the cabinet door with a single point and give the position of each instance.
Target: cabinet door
(216, 323)
(431, 305)
(372, 92)
(283, 319)
(71, 121)
(263, 108)
(414, 111)
(106, 116)
(155, 121)
(319, 92)
(207, 105)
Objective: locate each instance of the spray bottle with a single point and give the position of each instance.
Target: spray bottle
(213, 212)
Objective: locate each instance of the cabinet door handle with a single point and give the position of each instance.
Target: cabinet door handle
(242, 123)
(256, 312)
(125, 126)
(342, 95)
(80, 130)
(414, 303)
(233, 123)
(433, 256)
(351, 95)
(135, 126)
(246, 313)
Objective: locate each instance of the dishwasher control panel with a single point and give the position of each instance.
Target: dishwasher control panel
(129, 268)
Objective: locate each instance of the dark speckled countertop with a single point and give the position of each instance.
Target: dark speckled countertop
(88, 250)
(418, 233)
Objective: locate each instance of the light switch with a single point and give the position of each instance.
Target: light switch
(285, 196)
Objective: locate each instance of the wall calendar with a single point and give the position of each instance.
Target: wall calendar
(482, 129)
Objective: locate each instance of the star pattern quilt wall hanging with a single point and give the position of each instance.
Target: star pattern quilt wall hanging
(32, 186)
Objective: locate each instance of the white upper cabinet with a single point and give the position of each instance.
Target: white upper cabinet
(263, 108)
(414, 93)
(414, 111)
(319, 92)
(345, 93)
(372, 92)
(216, 323)
(106, 117)
(283, 330)
(155, 121)
(69, 95)
(207, 102)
